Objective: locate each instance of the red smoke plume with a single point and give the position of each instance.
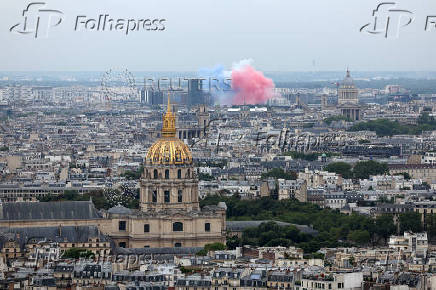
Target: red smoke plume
(250, 86)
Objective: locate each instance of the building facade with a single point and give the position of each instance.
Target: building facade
(169, 215)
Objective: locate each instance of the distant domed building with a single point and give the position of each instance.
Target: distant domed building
(348, 101)
(347, 92)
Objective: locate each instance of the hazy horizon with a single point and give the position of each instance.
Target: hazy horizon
(278, 35)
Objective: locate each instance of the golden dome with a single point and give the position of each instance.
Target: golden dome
(169, 150)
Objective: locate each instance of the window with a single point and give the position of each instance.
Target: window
(167, 174)
(154, 196)
(179, 173)
(155, 174)
(122, 244)
(180, 195)
(146, 228)
(189, 173)
(178, 245)
(207, 227)
(122, 225)
(167, 196)
(177, 227)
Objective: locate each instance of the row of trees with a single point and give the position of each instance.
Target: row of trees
(384, 127)
(360, 170)
(334, 229)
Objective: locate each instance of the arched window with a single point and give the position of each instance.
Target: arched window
(155, 174)
(179, 173)
(177, 227)
(167, 174)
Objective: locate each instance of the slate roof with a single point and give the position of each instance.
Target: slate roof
(74, 234)
(57, 210)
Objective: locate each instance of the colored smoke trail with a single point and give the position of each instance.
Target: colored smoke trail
(251, 86)
(218, 80)
(248, 86)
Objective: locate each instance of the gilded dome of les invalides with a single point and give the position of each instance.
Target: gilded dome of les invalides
(169, 150)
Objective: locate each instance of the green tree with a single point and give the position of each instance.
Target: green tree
(384, 226)
(280, 173)
(215, 247)
(331, 119)
(76, 253)
(341, 168)
(410, 221)
(233, 242)
(360, 237)
(364, 169)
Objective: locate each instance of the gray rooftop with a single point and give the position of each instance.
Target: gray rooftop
(242, 225)
(65, 210)
(74, 234)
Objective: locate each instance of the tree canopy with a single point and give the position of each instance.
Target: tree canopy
(384, 127)
(361, 170)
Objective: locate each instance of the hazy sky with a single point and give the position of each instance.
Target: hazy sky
(279, 35)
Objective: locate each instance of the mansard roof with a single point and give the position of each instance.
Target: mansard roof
(58, 210)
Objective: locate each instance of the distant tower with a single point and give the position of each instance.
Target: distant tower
(195, 95)
(297, 100)
(203, 118)
(324, 102)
